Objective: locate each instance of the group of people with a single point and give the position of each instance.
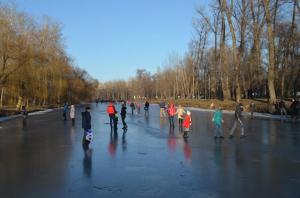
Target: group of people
(136, 107)
(170, 111)
(294, 109)
(185, 120)
(184, 117)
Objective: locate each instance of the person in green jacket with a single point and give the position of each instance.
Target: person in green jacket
(218, 120)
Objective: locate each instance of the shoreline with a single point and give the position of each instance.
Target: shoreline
(266, 116)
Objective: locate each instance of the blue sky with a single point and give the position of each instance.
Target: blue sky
(113, 38)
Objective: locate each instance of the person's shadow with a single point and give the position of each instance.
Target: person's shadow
(124, 142)
(87, 159)
(187, 150)
(112, 147)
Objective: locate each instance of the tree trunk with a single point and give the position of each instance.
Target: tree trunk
(236, 65)
(2, 96)
(223, 61)
(271, 46)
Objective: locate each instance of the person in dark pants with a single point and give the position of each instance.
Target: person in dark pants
(282, 110)
(252, 109)
(86, 125)
(132, 106)
(237, 120)
(123, 115)
(24, 112)
(116, 120)
(65, 110)
(294, 108)
(111, 111)
(146, 108)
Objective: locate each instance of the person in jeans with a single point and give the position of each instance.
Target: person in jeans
(171, 113)
(237, 120)
(162, 108)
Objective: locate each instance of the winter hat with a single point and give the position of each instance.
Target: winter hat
(188, 113)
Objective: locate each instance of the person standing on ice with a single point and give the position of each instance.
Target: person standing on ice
(180, 113)
(146, 108)
(111, 111)
(87, 126)
(72, 114)
(65, 110)
(187, 123)
(162, 107)
(171, 113)
(218, 120)
(132, 106)
(123, 115)
(237, 120)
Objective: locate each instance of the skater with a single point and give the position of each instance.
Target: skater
(111, 111)
(171, 113)
(24, 111)
(180, 113)
(138, 105)
(218, 120)
(132, 106)
(187, 122)
(282, 110)
(65, 110)
(237, 119)
(86, 125)
(146, 108)
(294, 108)
(252, 109)
(162, 108)
(72, 114)
(123, 115)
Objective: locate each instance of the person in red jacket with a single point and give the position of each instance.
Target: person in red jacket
(171, 113)
(111, 111)
(187, 124)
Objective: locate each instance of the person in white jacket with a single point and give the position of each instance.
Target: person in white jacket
(180, 113)
(72, 114)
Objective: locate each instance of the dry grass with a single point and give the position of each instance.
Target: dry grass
(261, 104)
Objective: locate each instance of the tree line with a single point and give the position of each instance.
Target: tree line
(240, 49)
(34, 66)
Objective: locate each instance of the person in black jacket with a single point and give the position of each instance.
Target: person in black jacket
(123, 115)
(86, 123)
(146, 108)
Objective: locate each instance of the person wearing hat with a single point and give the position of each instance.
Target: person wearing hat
(187, 122)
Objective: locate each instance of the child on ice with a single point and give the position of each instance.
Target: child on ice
(187, 124)
(218, 120)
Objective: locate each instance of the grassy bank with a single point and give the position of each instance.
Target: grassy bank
(262, 105)
(11, 110)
